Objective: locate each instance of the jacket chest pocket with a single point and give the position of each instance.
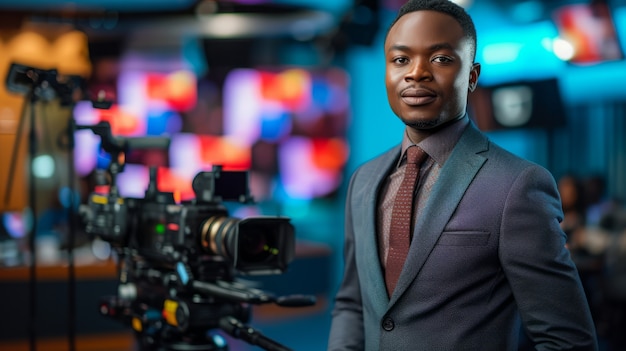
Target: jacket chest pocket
(463, 239)
(458, 255)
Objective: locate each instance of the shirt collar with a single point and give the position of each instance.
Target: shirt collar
(439, 145)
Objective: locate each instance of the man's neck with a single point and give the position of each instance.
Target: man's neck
(417, 135)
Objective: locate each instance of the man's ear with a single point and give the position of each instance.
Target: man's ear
(474, 73)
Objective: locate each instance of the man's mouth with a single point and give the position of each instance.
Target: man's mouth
(417, 97)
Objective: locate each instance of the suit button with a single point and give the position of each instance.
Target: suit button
(388, 324)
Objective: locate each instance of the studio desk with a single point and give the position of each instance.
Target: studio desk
(309, 273)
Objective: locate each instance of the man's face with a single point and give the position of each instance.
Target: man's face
(429, 69)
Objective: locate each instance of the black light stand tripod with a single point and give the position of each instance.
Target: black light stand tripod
(43, 85)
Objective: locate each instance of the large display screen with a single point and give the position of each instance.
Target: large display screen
(590, 30)
(515, 105)
(285, 125)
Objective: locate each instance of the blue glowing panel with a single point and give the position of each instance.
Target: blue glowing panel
(275, 125)
(163, 122)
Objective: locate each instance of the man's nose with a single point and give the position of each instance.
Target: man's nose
(419, 70)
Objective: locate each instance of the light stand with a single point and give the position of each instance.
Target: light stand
(45, 85)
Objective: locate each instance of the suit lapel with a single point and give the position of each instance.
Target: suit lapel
(455, 176)
(367, 242)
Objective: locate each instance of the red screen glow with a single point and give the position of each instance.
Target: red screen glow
(590, 29)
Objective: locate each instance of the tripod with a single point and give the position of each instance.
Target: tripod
(42, 85)
(180, 318)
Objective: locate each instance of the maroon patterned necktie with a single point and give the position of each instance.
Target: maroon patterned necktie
(401, 218)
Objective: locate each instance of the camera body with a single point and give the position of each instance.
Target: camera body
(198, 231)
(160, 230)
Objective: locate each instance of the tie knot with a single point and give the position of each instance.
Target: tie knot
(414, 154)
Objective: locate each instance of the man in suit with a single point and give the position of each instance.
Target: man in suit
(486, 254)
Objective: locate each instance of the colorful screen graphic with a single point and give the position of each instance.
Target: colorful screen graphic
(286, 126)
(590, 30)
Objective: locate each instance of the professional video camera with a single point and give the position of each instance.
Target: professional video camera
(179, 261)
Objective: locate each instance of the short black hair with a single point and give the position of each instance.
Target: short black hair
(443, 6)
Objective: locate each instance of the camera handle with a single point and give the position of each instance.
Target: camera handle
(232, 291)
(237, 292)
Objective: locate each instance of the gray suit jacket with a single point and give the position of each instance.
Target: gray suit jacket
(486, 250)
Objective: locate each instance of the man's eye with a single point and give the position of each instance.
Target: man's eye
(442, 59)
(400, 60)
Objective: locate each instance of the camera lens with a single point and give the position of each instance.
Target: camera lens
(226, 237)
(253, 245)
(215, 233)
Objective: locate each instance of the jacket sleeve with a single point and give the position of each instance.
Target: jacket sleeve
(543, 278)
(346, 331)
